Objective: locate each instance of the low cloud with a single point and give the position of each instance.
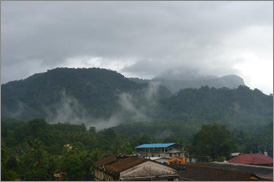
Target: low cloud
(142, 39)
(133, 108)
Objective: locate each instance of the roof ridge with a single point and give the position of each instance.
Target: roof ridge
(245, 165)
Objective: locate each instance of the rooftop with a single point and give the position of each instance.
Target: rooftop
(105, 161)
(203, 173)
(124, 164)
(255, 159)
(263, 172)
(155, 145)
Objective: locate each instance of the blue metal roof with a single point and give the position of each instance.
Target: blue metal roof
(155, 145)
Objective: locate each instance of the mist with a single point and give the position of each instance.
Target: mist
(132, 108)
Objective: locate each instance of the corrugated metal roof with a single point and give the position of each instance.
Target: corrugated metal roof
(202, 173)
(155, 145)
(263, 172)
(124, 164)
(105, 161)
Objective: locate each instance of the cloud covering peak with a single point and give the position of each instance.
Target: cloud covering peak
(142, 39)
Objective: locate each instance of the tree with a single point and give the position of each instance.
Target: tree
(12, 163)
(8, 175)
(73, 167)
(37, 175)
(34, 129)
(92, 130)
(213, 140)
(38, 154)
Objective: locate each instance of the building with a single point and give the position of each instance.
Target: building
(200, 172)
(263, 172)
(252, 159)
(126, 168)
(165, 150)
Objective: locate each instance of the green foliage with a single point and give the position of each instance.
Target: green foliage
(34, 158)
(92, 129)
(220, 159)
(12, 163)
(34, 129)
(73, 167)
(213, 140)
(37, 175)
(8, 175)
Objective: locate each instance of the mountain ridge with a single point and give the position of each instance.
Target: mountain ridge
(105, 98)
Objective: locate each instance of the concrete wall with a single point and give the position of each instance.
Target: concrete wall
(149, 170)
(101, 176)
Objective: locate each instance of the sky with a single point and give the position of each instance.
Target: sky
(140, 39)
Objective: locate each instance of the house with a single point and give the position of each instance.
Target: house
(252, 159)
(131, 168)
(165, 150)
(190, 172)
(263, 172)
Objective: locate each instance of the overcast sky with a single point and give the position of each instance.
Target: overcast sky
(140, 39)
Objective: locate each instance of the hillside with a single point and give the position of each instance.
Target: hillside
(183, 113)
(104, 98)
(96, 90)
(178, 83)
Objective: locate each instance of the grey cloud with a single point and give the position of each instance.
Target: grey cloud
(155, 35)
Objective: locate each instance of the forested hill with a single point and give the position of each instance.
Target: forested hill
(179, 82)
(182, 114)
(94, 89)
(84, 95)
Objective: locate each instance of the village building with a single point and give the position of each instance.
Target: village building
(126, 168)
(252, 159)
(165, 150)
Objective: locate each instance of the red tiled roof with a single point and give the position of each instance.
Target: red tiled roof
(105, 161)
(124, 164)
(255, 159)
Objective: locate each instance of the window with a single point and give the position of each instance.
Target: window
(170, 155)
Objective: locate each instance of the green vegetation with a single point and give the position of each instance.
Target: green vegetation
(35, 150)
(95, 89)
(94, 93)
(213, 140)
